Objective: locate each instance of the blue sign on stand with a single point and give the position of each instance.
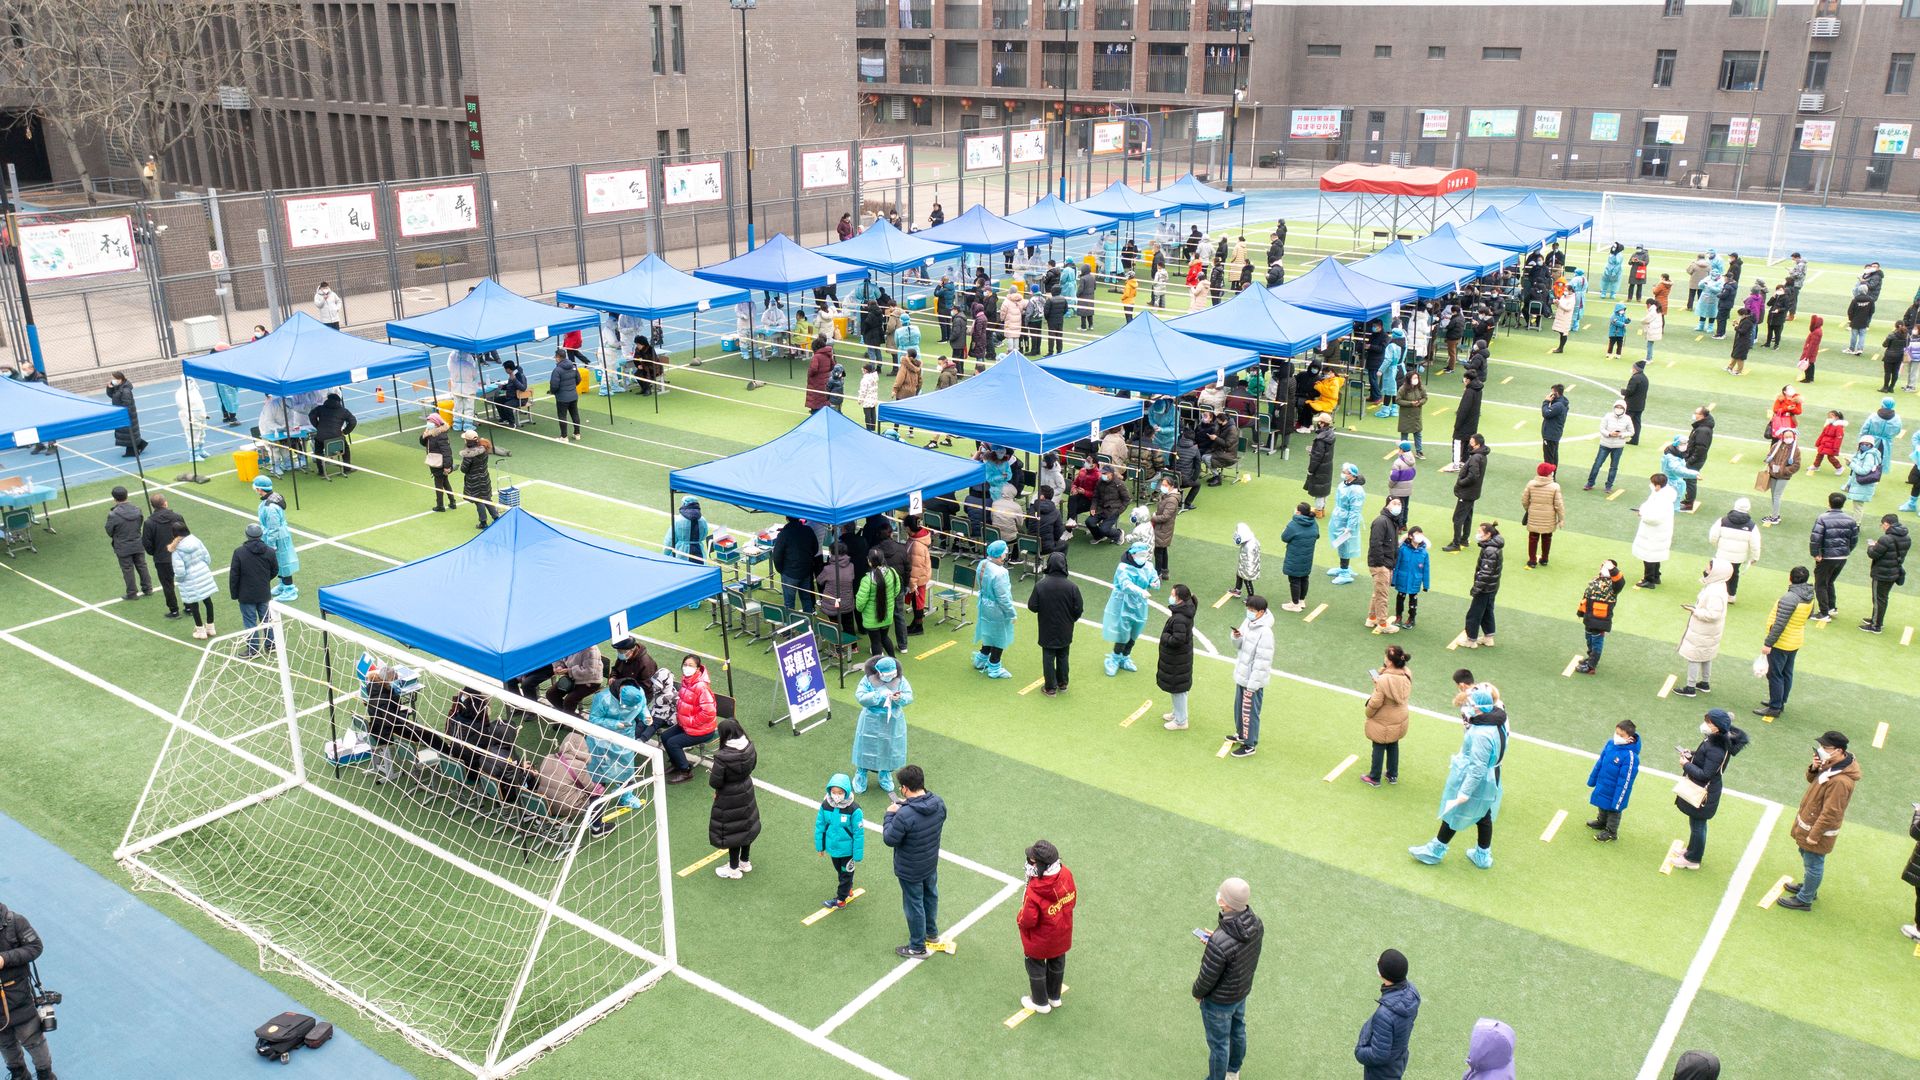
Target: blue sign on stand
(802, 678)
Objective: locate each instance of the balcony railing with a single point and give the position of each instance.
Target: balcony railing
(1062, 20)
(1010, 73)
(1114, 16)
(1113, 76)
(917, 17)
(1165, 77)
(1220, 20)
(916, 72)
(869, 16)
(1011, 16)
(963, 16)
(1219, 80)
(1057, 73)
(1176, 16)
(963, 67)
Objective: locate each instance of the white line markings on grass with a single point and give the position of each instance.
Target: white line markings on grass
(1906, 636)
(1774, 894)
(789, 1025)
(1342, 767)
(1654, 1066)
(881, 985)
(1667, 687)
(1880, 736)
(1553, 826)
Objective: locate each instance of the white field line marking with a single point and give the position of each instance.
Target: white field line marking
(1654, 1067)
(789, 1025)
(885, 982)
(1553, 826)
(1342, 767)
(1906, 636)
(1880, 736)
(362, 532)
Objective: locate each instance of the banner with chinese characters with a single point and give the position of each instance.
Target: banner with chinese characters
(1604, 127)
(1024, 147)
(1493, 123)
(887, 162)
(696, 182)
(1109, 137)
(1670, 130)
(1315, 124)
(73, 249)
(1743, 131)
(1433, 123)
(326, 220)
(434, 210)
(985, 152)
(1816, 135)
(822, 169)
(1892, 138)
(613, 192)
(1209, 126)
(1546, 123)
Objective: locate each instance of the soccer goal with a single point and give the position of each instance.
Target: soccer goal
(436, 879)
(1693, 223)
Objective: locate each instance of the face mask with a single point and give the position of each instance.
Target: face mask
(689, 669)
(1620, 740)
(1032, 871)
(1706, 729)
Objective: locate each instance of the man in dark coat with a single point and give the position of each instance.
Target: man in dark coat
(156, 538)
(21, 1036)
(251, 576)
(1699, 438)
(332, 420)
(796, 558)
(1466, 490)
(1886, 567)
(912, 830)
(1056, 311)
(1466, 415)
(1384, 1038)
(124, 527)
(120, 392)
(1057, 603)
(1226, 977)
(1553, 423)
(1833, 538)
(1383, 554)
(1635, 395)
(1109, 502)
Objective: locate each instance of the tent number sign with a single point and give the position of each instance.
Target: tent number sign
(617, 625)
(914, 503)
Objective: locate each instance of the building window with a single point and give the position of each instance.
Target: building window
(1817, 63)
(1900, 72)
(1330, 52)
(1718, 150)
(1169, 15)
(677, 38)
(916, 62)
(1500, 52)
(1436, 52)
(1675, 7)
(683, 140)
(1113, 66)
(1166, 69)
(1663, 68)
(1060, 65)
(1383, 52)
(872, 59)
(963, 63)
(1743, 70)
(658, 16)
(663, 145)
(1010, 63)
(1750, 9)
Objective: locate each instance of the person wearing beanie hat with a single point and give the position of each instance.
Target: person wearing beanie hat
(1227, 967)
(1125, 615)
(477, 484)
(1831, 777)
(1474, 786)
(1382, 1048)
(279, 536)
(1705, 766)
(1402, 469)
(1736, 541)
(993, 627)
(439, 461)
(1598, 604)
(1553, 422)
(1046, 926)
(1697, 1065)
(1543, 510)
(1883, 427)
(251, 575)
(1886, 561)
(1635, 396)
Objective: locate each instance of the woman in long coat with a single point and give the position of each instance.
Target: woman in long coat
(735, 819)
(1706, 622)
(120, 392)
(880, 734)
(1473, 790)
(1173, 672)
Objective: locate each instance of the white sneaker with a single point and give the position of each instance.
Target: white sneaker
(200, 632)
(746, 867)
(1233, 1076)
(1174, 725)
(1031, 1005)
(728, 872)
(1911, 931)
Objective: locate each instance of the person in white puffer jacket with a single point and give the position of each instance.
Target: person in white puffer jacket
(1736, 541)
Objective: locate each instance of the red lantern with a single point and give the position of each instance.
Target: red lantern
(967, 103)
(1011, 104)
(918, 100)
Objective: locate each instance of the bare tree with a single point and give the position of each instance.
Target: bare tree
(147, 75)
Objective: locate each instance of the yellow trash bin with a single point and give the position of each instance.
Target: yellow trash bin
(840, 327)
(246, 465)
(445, 405)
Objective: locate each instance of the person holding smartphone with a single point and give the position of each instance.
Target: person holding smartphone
(1831, 777)
(1706, 765)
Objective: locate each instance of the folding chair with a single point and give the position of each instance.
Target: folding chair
(1029, 552)
(331, 452)
(953, 597)
(16, 527)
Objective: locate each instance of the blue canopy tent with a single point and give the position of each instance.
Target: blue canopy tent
(828, 469)
(777, 266)
(1335, 289)
(651, 289)
(1396, 265)
(1148, 356)
(1014, 404)
(1060, 220)
(886, 249)
(1493, 229)
(33, 413)
(1533, 212)
(489, 318)
(979, 231)
(1446, 246)
(1257, 319)
(529, 609)
(1188, 193)
(1122, 203)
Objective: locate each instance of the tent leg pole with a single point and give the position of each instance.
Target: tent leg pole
(65, 494)
(295, 473)
(726, 653)
(333, 725)
(139, 463)
(399, 425)
(673, 553)
(606, 378)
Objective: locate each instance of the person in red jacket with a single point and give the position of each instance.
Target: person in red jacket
(1046, 926)
(571, 342)
(694, 716)
(819, 370)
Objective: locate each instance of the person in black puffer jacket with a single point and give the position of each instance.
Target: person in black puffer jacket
(1699, 438)
(1057, 602)
(796, 558)
(1466, 489)
(1886, 558)
(1044, 521)
(20, 1034)
(1834, 535)
(1319, 483)
(1173, 672)
(1486, 585)
(735, 819)
(1226, 977)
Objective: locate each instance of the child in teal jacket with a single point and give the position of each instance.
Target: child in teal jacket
(840, 834)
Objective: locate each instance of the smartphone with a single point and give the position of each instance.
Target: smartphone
(1681, 750)
(1373, 673)
(1207, 935)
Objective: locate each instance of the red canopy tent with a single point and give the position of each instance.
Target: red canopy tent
(1380, 197)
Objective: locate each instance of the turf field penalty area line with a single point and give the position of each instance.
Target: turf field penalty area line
(901, 970)
(1148, 704)
(1342, 767)
(1654, 1067)
(1553, 827)
(788, 1024)
(826, 911)
(1020, 1017)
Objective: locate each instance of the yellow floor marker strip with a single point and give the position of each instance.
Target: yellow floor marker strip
(1567, 672)
(1388, 456)
(942, 647)
(1880, 736)
(826, 911)
(1032, 686)
(1315, 613)
(1553, 826)
(1906, 636)
(1506, 380)
(1735, 459)
(1342, 767)
(1773, 894)
(1222, 602)
(1518, 424)
(702, 864)
(1667, 687)
(1458, 640)
(1439, 411)
(1137, 713)
(1617, 492)
(1020, 1017)
(1673, 855)
(1225, 747)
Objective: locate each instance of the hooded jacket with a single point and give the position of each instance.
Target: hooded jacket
(1816, 824)
(1735, 537)
(1384, 1039)
(1810, 352)
(1653, 537)
(252, 572)
(1700, 642)
(840, 831)
(735, 818)
(1253, 660)
(913, 832)
(1299, 539)
(1383, 542)
(1046, 913)
(1887, 552)
(1788, 626)
(20, 946)
(1697, 1065)
(1599, 601)
(563, 781)
(1247, 558)
(1486, 572)
(124, 528)
(1056, 603)
(1320, 463)
(1616, 427)
(1173, 671)
(836, 582)
(1489, 1052)
(1708, 768)
(1134, 577)
(1231, 957)
(157, 533)
(1613, 774)
(1472, 474)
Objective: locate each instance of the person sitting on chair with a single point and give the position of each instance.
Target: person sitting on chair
(332, 423)
(509, 401)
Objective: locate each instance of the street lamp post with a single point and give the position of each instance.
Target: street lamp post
(1235, 8)
(1067, 8)
(746, 107)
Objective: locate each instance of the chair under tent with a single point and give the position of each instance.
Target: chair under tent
(650, 290)
(32, 414)
(489, 318)
(777, 266)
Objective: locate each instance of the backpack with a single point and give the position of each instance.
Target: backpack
(282, 1035)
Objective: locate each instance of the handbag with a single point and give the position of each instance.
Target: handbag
(1695, 795)
(435, 461)
(1763, 479)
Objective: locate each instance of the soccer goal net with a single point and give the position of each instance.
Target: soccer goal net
(1689, 223)
(483, 874)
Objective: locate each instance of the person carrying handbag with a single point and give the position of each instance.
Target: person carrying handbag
(439, 461)
(1703, 770)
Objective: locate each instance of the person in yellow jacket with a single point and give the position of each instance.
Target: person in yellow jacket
(1785, 633)
(1326, 392)
(1129, 290)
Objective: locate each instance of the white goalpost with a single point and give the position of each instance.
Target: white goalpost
(486, 885)
(1693, 223)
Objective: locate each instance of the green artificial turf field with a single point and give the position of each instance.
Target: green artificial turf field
(1586, 949)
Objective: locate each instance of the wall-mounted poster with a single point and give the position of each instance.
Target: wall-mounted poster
(887, 162)
(1743, 131)
(71, 249)
(613, 192)
(984, 151)
(1670, 130)
(823, 168)
(1433, 123)
(1110, 137)
(1493, 123)
(695, 182)
(1892, 138)
(1027, 146)
(1816, 135)
(1546, 123)
(1315, 124)
(1209, 126)
(428, 211)
(1604, 127)
(325, 220)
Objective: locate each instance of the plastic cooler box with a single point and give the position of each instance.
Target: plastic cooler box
(916, 303)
